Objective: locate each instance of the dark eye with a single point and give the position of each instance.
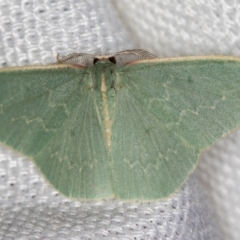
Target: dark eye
(95, 61)
(112, 60)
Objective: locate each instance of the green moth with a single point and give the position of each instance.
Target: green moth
(125, 126)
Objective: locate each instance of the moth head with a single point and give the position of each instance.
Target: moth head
(122, 58)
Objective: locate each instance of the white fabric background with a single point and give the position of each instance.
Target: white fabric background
(33, 32)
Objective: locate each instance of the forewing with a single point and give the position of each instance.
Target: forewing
(166, 113)
(52, 116)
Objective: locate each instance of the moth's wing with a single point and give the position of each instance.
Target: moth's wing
(166, 113)
(52, 115)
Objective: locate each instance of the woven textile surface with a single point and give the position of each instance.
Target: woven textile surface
(207, 205)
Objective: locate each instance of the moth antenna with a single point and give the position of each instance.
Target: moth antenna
(57, 57)
(125, 57)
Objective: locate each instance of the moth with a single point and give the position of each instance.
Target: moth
(127, 126)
